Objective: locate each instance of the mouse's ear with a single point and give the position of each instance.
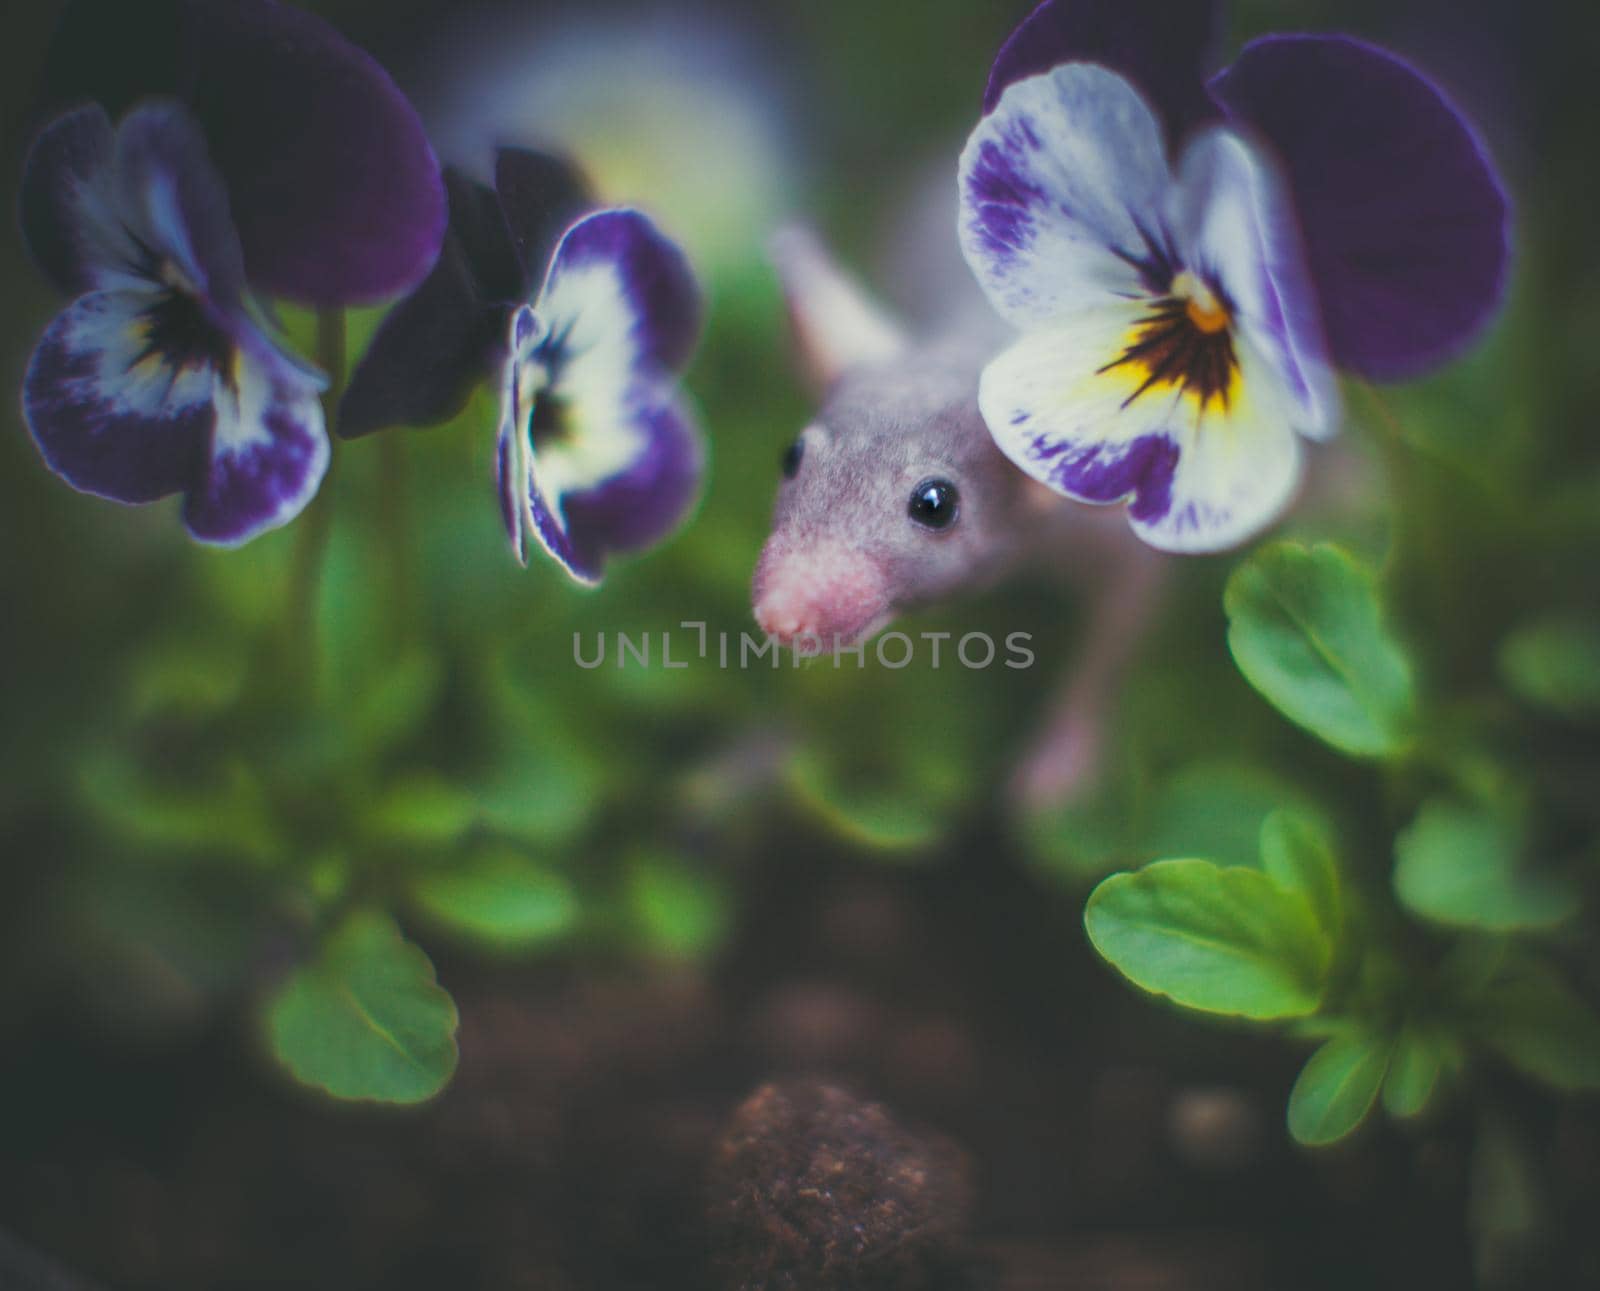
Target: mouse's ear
(837, 325)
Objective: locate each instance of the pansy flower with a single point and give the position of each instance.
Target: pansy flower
(263, 155)
(1189, 262)
(598, 451)
(156, 379)
(335, 190)
(583, 319)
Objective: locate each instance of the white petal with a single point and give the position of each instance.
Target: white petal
(1060, 186)
(1235, 226)
(1197, 474)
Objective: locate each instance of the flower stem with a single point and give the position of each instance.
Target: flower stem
(312, 535)
(394, 526)
(1420, 564)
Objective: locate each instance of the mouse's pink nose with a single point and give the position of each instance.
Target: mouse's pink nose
(827, 594)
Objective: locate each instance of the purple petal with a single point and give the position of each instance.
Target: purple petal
(647, 502)
(478, 226)
(1161, 46)
(335, 188)
(69, 157)
(431, 351)
(106, 421)
(508, 488)
(268, 450)
(615, 281)
(1141, 471)
(541, 196)
(435, 346)
(639, 505)
(1406, 222)
(553, 536)
(174, 201)
(108, 211)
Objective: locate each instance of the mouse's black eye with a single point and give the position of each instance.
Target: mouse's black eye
(934, 504)
(792, 457)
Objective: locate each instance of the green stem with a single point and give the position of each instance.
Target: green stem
(311, 538)
(1421, 567)
(393, 521)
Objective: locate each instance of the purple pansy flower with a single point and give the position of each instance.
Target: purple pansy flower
(336, 192)
(1188, 284)
(597, 451)
(156, 379)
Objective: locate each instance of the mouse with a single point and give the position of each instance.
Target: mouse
(894, 498)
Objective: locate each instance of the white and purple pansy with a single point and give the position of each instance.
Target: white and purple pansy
(157, 379)
(1172, 350)
(1188, 281)
(598, 452)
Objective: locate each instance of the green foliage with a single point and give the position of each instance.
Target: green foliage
(366, 1019)
(1337, 1087)
(1466, 867)
(422, 811)
(1533, 1020)
(1419, 1060)
(498, 900)
(1306, 629)
(1220, 940)
(219, 815)
(1216, 811)
(1297, 855)
(1554, 664)
(679, 912)
(1291, 941)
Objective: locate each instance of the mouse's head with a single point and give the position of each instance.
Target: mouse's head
(895, 496)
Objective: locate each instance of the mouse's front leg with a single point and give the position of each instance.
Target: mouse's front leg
(1067, 757)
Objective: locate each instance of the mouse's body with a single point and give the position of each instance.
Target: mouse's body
(895, 497)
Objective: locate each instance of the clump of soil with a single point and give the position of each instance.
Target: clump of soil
(813, 1189)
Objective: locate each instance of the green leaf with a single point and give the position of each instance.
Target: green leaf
(679, 911)
(542, 796)
(1081, 841)
(1555, 664)
(422, 811)
(1540, 1025)
(1414, 1070)
(1306, 630)
(187, 678)
(1214, 811)
(392, 701)
(1462, 866)
(500, 900)
(1297, 855)
(1336, 1089)
(886, 817)
(1213, 939)
(224, 813)
(366, 1019)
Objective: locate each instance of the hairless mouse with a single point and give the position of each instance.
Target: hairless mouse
(895, 497)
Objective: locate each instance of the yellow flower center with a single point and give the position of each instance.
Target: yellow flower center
(1205, 311)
